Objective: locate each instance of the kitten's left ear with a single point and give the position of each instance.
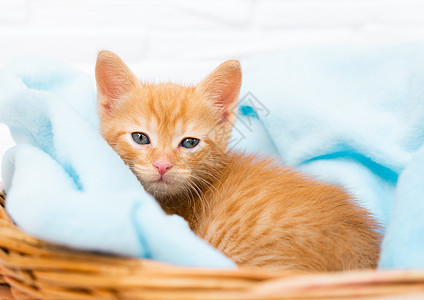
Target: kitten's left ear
(222, 87)
(114, 80)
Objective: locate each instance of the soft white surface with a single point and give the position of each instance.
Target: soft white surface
(183, 40)
(5, 139)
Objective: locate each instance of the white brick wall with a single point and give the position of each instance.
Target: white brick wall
(161, 36)
(184, 39)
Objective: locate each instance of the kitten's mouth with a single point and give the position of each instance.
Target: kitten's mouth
(162, 180)
(161, 185)
(164, 185)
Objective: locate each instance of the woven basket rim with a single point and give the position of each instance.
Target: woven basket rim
(34, 269)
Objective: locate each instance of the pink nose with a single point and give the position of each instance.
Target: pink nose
(162, 166)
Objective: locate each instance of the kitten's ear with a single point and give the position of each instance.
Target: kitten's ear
(114, 81)
(222, 86)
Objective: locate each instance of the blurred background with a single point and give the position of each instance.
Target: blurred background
(184, 40)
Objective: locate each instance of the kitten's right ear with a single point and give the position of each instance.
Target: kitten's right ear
(114, 81)
(222, 87)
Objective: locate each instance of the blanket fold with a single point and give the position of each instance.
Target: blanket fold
(65, 184)
(353, 116)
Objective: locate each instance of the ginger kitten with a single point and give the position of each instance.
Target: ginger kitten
(252, 209)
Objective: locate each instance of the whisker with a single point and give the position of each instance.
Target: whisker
(198, 192)
(209, 174)
(206, 204)
(189, 187)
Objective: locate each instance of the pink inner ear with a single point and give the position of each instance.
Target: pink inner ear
(227, 103)
(114, 80)
(222, 86)
(109, 89)
(112, 85)
(228, 96)
(225, 115)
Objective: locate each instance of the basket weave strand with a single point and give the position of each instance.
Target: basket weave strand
(34, 269)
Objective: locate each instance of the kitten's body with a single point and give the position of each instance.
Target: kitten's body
(263, 215)
(252, 209)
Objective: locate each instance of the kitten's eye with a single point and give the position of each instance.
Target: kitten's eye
(189, 143)
(140, 138)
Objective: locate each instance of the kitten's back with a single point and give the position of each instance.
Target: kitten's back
(263, 215)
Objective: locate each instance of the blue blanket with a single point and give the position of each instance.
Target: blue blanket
(353, 116)
(65, 184)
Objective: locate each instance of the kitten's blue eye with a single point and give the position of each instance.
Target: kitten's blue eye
(189, 143)
(140, 138)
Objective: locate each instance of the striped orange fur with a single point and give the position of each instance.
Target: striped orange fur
(253, 209)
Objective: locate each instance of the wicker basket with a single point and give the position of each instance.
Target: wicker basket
(34, 269)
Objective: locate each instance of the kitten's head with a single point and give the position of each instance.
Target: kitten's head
(173, 137)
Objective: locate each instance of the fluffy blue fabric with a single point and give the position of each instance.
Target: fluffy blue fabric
(353, 116)
(65, 184)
